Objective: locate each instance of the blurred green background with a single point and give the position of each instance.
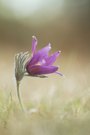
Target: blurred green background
(63, 102)
(63, 23)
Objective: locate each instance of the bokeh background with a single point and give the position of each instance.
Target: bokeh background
(63, 23)
(66, 25)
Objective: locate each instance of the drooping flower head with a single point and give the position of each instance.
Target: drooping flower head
(39, 64)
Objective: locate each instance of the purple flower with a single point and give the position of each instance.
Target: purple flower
(38, 65)
(40, 62)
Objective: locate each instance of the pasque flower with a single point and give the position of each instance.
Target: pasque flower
(39, 64)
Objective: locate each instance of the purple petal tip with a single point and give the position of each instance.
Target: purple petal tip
(34, 37)
(49, 45)
(59, 51)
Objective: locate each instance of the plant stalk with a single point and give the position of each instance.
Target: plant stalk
(19, 96)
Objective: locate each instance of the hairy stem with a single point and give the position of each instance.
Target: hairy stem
(19, 97)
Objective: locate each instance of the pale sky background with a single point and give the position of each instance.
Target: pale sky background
(28, 7)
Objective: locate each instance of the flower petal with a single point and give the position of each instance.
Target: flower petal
(34, 44)
(50, 60)
(39, 70)
(39, 55)
(59, 73)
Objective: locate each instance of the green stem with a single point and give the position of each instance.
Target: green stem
(19, 97)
